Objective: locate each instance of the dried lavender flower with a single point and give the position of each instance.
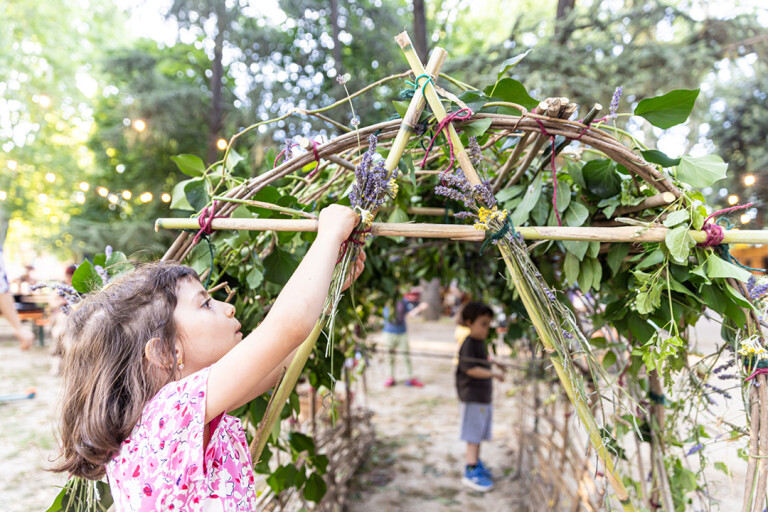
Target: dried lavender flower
(355, 121)
(341, 79)
(615, 101)
(475, 153)
(102, 273)
(108, 251)
(695, 448)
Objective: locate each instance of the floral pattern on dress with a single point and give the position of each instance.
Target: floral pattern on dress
(162, 466)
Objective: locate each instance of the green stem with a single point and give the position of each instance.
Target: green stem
(268, 206)
(283, 390)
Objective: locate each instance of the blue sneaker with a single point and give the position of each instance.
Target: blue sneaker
(476, 479)
(484, 470)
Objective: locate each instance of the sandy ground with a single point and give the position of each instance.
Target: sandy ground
(415, 465)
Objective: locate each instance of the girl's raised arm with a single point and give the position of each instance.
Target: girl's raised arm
(240, 375)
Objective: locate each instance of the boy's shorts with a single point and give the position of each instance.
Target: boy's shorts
(476, 419)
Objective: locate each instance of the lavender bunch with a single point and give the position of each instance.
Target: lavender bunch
(373, 183)
(65, 291)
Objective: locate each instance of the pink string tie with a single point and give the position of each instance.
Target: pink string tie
(460, 115)
(317, 159)
(714, 232)
(205, 220)
(759, 371)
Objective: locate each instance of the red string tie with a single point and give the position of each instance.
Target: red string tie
(759, 371)
(317, 159)
(460, 115)
(714, 232)
(352, 240)
(205, 220)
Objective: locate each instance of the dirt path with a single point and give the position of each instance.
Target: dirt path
(27, 442)
(418, 460)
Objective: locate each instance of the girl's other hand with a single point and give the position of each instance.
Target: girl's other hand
(359, 267)
(337, 222)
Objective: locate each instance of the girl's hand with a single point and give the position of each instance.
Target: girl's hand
(359, 267)
(337, 222)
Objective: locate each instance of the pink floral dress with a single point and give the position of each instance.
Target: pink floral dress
(163, 465)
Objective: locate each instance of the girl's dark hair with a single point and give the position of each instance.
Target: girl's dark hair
(473, 310)
(107, 377)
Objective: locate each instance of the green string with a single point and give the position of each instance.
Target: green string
(210, 252)
(498, 235)
(415, 86)
(658, 399)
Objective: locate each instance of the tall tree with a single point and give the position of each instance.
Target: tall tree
(420, 30)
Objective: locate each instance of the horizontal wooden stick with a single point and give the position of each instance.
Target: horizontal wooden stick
(469, 233)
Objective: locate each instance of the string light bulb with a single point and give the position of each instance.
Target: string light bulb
(221, 144)
(745, 218)
(166, 198)
(145, 197)
(127, 194)
(113, 198)
(84, 186)
(749, 180)
(12, 164)
(3, 195)
(103, 192)
(733, 199)
(50, 177)
(139, 125)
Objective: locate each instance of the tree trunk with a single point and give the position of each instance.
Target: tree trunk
(215, 119)
(564, 7)
(420, 30)
(336, 43)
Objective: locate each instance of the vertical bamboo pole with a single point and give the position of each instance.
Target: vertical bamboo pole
(288, 383)
(466, 166)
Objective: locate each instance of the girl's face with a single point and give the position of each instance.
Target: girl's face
(209, 327)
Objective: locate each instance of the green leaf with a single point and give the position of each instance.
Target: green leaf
(586, 275)
(601, 178)
(576, 247)
(668, 110)
(401, 107)
(701, 171)
(233, 158)
(279, 266)
(676, 217)
(563, 196)
(191, 165)
(594, 249)
(282, 478)
(190, 195)
(576, 214)
(597, 273)
(315, 488)
(506, 194)
(509, 89)
(532, 194)
(722, 467)
(254, 278)
(475, 100)
(301, 443)
(407, 161)
(655, 156)
(679, 242)
(609, 359)
(571, 267)
(718, 268)
(509, 64)
(86, 279)
(616, 256)
(654, 258)
(477, 128)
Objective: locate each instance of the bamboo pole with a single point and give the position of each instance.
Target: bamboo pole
(628, 234)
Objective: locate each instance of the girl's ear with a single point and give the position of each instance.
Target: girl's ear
(152, 353)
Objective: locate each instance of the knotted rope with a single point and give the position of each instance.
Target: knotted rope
(205, 220)
(715, 236)
(317, 160)
(459, 115)
(352, 240)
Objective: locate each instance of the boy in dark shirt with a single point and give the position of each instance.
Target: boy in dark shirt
(475, 388)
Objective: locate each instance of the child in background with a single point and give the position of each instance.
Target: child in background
(475, 388)
(151, 365)
(396, 334)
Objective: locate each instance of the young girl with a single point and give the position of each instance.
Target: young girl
(152, 365)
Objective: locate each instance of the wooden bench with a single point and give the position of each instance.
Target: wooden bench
(39, 318)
